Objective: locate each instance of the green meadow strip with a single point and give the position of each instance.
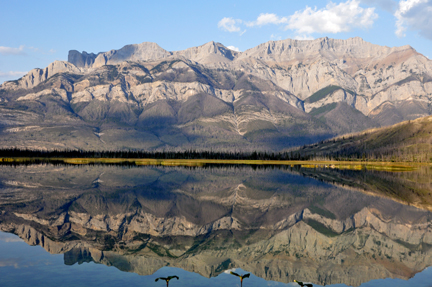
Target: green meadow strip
(349, 165)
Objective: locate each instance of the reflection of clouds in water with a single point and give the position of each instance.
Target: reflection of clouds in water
(9, 262)
(9, 238)
(17, 263)
(230, 270)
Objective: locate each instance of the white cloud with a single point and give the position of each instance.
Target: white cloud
(229, 24)
(304, 37)
(267, 18)
(12, 51)
(233, 48)
(334, 18)
(42, 51)
(11, 74)
(20, 50)
(275, 37)
(416, 15)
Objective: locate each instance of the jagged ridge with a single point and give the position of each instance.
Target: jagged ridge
(257, 98)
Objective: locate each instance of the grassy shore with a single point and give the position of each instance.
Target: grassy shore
(351, 165)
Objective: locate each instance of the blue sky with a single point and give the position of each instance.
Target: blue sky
(36, 33)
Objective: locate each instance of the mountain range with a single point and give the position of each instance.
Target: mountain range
(273, 96)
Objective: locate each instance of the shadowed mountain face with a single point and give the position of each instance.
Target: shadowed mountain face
(279, 224)
(273, 96)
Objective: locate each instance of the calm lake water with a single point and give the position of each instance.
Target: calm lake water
(118, 225)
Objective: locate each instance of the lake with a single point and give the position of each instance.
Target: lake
(111, 225)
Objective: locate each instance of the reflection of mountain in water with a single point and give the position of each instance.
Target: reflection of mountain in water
(274, 223)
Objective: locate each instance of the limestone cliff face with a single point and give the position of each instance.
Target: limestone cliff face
(137, 52)
(280, 91)
(311, 50)
(81, 60)
(374, 73)
(37, 76)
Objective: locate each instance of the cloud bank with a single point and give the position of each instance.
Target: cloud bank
(333, 18)
(414, 15)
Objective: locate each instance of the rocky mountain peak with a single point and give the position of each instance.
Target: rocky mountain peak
(135, 52)
(290, 50)
(81, 60)
(210, 52)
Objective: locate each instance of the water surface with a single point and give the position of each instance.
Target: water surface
(111, 225)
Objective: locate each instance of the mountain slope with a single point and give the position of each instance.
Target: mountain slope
(406, 141)
(276, 95)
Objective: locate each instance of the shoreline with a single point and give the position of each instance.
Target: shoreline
(350, 165)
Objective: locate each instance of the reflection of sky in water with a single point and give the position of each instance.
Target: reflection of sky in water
(24, 265)
(7, 237)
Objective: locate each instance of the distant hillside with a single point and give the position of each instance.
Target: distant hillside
(406, 141)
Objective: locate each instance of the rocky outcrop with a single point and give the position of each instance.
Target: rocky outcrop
(209, 53)
(81, 60)
(37, 76)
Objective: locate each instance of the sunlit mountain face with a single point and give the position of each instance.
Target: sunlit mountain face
(274, 96)
(317, 225)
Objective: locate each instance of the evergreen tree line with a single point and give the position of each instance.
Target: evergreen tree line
(187, 154)
(397, 152)
(353, 153)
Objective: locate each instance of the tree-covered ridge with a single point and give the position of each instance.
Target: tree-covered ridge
(409, 141)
